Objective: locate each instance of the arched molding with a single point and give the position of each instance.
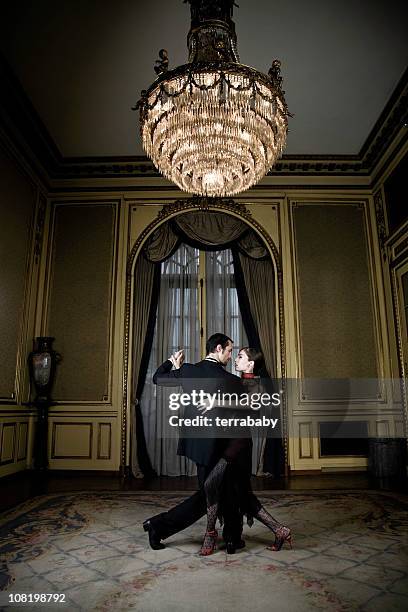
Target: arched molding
(167, 212)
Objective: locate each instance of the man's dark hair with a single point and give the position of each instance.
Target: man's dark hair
(216, 339)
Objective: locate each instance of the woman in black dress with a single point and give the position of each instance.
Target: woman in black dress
(238, 456)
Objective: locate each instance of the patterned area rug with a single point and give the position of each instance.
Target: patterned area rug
(350, 553)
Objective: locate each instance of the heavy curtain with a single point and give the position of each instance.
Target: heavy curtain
(177, 327)
(259, 281)
(258, 278)
(144, 310)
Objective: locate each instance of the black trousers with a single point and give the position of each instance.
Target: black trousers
(194, 507)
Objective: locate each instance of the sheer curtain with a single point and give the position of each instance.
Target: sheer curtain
(222, 306)
(177, 326)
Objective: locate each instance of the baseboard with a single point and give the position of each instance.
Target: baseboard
(315, 472)
(81, 473)
(329, 469)
(344, 469)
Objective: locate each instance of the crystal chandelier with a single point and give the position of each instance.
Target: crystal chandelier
(213, 126)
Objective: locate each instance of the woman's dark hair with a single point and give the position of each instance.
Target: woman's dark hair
(216, 339)
(255, 356)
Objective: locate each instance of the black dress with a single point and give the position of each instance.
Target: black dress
(237, 490)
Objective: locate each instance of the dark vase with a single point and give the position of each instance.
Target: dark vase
(42, 363)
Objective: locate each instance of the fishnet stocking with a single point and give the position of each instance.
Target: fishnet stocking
(267, 520)
(212, 487)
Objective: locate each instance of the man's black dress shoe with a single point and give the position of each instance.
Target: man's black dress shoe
(154, 538)
(232, 547)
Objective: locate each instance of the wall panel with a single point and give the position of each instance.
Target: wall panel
(8, 443)
(22, 441)
(104, 441)
(305, 441)
(82, 442)
(79, 312)
(72, 440)
(15, 443)
(336, 322)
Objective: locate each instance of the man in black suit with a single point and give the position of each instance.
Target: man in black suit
(211, 376)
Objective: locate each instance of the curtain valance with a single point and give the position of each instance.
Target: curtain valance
(210, 230)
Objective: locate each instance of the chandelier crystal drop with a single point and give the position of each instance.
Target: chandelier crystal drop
(213, 126)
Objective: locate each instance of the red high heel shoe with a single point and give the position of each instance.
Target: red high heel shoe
(209, 544)
(282, 535)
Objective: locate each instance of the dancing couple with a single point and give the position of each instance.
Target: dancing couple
(223, 464)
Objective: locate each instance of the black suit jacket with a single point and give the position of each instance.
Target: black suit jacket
(211, 377)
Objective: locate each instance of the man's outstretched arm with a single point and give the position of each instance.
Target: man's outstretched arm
(164, 374)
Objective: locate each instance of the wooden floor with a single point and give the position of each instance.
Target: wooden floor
(26, 485)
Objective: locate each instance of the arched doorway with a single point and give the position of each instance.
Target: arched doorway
(175, 212)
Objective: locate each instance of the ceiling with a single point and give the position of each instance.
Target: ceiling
(83, 64)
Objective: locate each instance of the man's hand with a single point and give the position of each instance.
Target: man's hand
(177, 359)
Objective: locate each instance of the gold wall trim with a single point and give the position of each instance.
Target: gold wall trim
(381, 221)
(399, 234)
(39, 228)
(400, 349)
(401, 247)
(398, 246)
(168, 211)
